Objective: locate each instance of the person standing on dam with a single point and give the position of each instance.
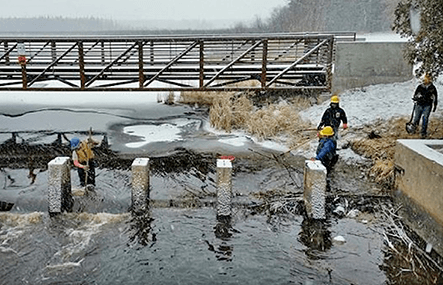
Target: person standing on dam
(83, 159)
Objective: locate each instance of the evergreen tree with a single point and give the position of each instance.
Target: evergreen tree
(424, 48)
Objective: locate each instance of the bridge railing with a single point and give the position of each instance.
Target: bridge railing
(206, 63)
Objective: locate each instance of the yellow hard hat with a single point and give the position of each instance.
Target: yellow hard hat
(335, 99)
(327, 131)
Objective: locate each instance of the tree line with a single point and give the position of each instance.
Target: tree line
(330, 15)
(56, 24)
(295, 16)
(424, 49)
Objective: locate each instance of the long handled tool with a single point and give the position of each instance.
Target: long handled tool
(410, 127)
(291, 149)
(87, 160)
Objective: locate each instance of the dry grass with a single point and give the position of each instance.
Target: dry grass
(221, 113)
(275, 120)
(200, 97)
(229, 111)
(241, 108)
(268, 122)
(378, 143)
(207, 98)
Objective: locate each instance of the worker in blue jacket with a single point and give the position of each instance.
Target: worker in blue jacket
(327, 148)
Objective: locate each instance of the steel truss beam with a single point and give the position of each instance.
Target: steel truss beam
(205, 63)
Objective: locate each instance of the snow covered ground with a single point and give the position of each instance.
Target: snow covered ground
(369, 104)
(363, 106)
(374, 102)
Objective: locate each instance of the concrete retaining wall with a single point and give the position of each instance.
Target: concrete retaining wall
(419, 181)
(359, 64)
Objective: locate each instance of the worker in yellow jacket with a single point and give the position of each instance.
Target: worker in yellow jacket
(83, 159)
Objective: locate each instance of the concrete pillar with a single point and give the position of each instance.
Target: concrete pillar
(59, 186)
(315, 189)
(140, 184)
(224, 187)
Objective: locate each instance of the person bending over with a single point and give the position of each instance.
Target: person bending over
(83, 159)
(327, 148)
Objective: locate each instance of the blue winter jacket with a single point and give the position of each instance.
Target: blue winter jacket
(326, 145)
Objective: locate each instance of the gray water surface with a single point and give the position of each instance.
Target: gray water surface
(179, 240)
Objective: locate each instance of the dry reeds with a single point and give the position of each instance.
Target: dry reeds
(241, 109)
(220, 113)
(381, 149)
(198, 97)
(229, 111)
(383, 171)
(206, 98)
(273, 120)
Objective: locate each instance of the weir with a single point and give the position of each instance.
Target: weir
(60, 195)
(59, 185)
(419, 180)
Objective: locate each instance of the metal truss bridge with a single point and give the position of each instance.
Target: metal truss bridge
(179, 63)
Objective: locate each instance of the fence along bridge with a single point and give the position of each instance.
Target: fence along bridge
(204, 63)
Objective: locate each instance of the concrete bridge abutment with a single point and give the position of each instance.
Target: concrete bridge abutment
(419, 188)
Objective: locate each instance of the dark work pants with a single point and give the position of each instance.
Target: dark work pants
(91, 175)
(422, 112)
(329, 164)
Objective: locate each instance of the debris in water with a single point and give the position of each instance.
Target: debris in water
(5, 206)
(339, 240)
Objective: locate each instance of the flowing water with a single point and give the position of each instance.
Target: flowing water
(180, 239)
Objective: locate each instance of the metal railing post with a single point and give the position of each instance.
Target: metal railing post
(264, 63)
(141, 74)
(81, 65)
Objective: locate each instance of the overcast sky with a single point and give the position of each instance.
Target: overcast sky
(243, 10)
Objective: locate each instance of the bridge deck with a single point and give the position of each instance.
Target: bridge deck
(206, 63)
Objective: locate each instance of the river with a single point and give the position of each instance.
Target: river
(180, 240)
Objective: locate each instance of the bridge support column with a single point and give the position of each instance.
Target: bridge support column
(59, 186)
(224, 187)
(315, 189)
(140, 184)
